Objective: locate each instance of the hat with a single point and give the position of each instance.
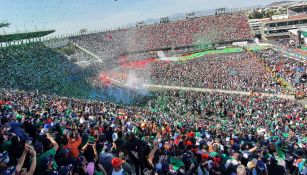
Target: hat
(198, 135)
(66, 169)
(191, 134)
(46, 161)
(8, 171)
(107, 146)
(47, 126)
(38, 146)
(4, 157)
(176, 163)
(43, 131)
(18, 117)
(116, 162)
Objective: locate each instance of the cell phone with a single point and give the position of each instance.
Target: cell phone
(28, 142)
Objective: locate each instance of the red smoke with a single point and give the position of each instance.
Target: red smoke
(138, 64)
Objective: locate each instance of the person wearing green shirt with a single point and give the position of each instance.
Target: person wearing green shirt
(5, 144)
(50, 152)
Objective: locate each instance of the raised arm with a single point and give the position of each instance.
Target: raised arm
(33, 164)
(21, 160)
(95, 152)
(152, 153)
(54, 143)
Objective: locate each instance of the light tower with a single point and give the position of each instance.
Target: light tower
(4, 24)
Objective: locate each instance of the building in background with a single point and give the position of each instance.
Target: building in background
(279, 21)
(278, 26)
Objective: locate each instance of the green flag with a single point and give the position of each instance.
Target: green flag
(280, 152)
(176, 163)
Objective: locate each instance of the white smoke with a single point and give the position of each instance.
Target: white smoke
(161, 54)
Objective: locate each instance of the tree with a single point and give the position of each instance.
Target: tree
(256, 15)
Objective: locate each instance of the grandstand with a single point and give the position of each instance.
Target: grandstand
(182, 33)
(9, 37)
(183, 97)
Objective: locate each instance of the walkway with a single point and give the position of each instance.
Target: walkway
(86, 51)
(153, 87)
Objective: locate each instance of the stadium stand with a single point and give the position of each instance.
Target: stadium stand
(210, 29)
(36, 67)
(57, 118)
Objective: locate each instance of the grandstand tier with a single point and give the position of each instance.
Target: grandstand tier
(24, 35)
(196, 32)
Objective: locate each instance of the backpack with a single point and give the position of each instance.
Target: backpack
(232, 169)
(259, 171)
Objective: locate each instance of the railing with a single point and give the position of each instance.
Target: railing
(276, 34)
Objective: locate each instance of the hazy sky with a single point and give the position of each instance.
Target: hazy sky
(68, 16)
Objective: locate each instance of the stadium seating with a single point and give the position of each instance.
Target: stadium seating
(36, 67)
(210, 29)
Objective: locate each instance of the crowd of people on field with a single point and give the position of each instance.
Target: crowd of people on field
(77, 74)
(288, 69)
(263, 71)
(238, 71)
(176, 132)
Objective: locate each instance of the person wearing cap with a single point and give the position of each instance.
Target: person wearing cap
(47, 165)
(105, 157)
(117, 167)
(5, 167)
(66, 170)
(42, 155)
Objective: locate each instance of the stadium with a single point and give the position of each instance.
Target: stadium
(206, 93)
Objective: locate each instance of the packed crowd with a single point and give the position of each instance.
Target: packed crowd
(239, 71)
(175, 133)
(212, 29)
(36, 67)
(263, 71)
(286, 68)
(170, 132)
(81, 56)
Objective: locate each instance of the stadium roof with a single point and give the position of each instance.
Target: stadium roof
(290, 18)
(24, 35)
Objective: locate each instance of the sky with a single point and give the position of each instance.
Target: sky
(68, 16)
